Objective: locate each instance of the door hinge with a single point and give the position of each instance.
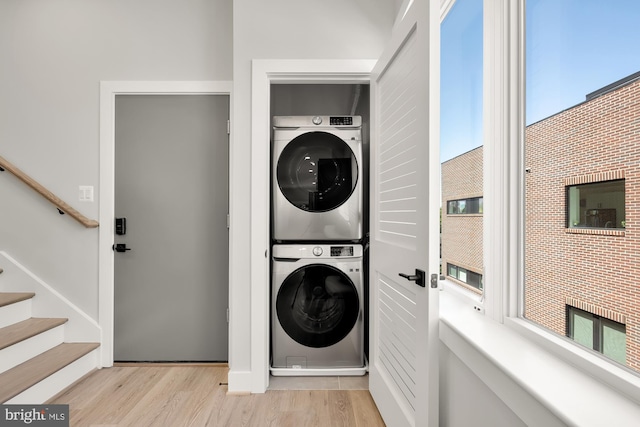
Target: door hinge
(227, 314)
(228, 221)
(228, 127)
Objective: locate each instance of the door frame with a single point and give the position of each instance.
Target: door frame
(108, 92)
(264, 73)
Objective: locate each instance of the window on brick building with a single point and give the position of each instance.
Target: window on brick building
(465, 276)
(465, 206)
(596, 205)
(598, 333)
(582, 105)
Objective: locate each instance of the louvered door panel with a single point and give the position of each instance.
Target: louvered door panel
(398, 335)
(398, 161)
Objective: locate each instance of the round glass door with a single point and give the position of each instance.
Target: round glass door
(317, 172)
(317, 305)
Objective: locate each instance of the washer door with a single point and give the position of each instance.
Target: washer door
(317, 172)
(317, 305)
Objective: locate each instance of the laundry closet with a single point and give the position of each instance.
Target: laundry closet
(319, 229)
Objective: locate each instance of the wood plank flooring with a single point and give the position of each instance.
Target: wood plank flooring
(174, 396)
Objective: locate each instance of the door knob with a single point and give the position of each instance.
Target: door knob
(418, 278)
(121, 247)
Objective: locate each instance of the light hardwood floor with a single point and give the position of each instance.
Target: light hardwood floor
(173, 396)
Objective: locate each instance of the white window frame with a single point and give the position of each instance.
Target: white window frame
(504, 220)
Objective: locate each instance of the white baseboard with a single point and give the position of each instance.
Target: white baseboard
(240, 382)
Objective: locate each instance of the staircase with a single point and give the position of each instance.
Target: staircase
(35, 362)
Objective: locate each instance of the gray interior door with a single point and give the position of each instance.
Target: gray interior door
(171, 185)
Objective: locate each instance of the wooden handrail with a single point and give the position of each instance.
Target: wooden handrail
(62, 206)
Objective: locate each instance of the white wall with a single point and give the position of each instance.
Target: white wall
(54, 55)
(466, 401)
(282, 29)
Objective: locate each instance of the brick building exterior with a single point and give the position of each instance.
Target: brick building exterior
(592, 268)
(462, 180)
(574, 260)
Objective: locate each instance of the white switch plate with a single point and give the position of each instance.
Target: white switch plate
(86, 193)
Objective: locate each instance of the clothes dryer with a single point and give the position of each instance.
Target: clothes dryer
(317, 178)
(317, 310)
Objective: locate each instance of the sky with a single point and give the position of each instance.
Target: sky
(573, 47)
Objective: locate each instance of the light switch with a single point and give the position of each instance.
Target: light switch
(86, 193)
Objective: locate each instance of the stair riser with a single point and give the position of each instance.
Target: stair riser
(25, 350)
(54, 384)
(14, 313)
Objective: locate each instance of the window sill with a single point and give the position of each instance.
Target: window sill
(538, 386)
(597, 231)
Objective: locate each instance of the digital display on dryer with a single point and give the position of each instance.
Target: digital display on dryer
(341, 121)
(341, 250)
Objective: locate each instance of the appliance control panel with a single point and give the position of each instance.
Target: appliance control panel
(294, 122)
(341, 250)
(317, 251)
(341, 120)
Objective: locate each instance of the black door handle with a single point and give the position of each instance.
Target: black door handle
(121, 247)
(418, 278)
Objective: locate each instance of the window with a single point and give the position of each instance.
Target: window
(598, 333)
(461, 144)
(465, 276)
(534, 137)
(596, 205)
(581, 161)
(465, 206)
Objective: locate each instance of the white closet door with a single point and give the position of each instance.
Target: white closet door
(405, 202)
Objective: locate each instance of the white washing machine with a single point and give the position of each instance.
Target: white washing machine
(317, 325)
(317, 178)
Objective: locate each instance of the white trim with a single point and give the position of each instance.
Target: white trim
(516, 178)
(445, 8)
(495, 108)
(265, 73)
(108, 92)
(239, 382)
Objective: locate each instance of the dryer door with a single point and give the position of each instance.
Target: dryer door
(317, 305)
(317, 172)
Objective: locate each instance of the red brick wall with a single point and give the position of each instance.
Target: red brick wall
(599, 269)
(462, 234)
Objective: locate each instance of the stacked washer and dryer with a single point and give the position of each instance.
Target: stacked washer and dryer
(317, 313)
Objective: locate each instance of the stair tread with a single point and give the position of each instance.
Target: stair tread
(21, 377)
(21, 331)
(7, 298)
